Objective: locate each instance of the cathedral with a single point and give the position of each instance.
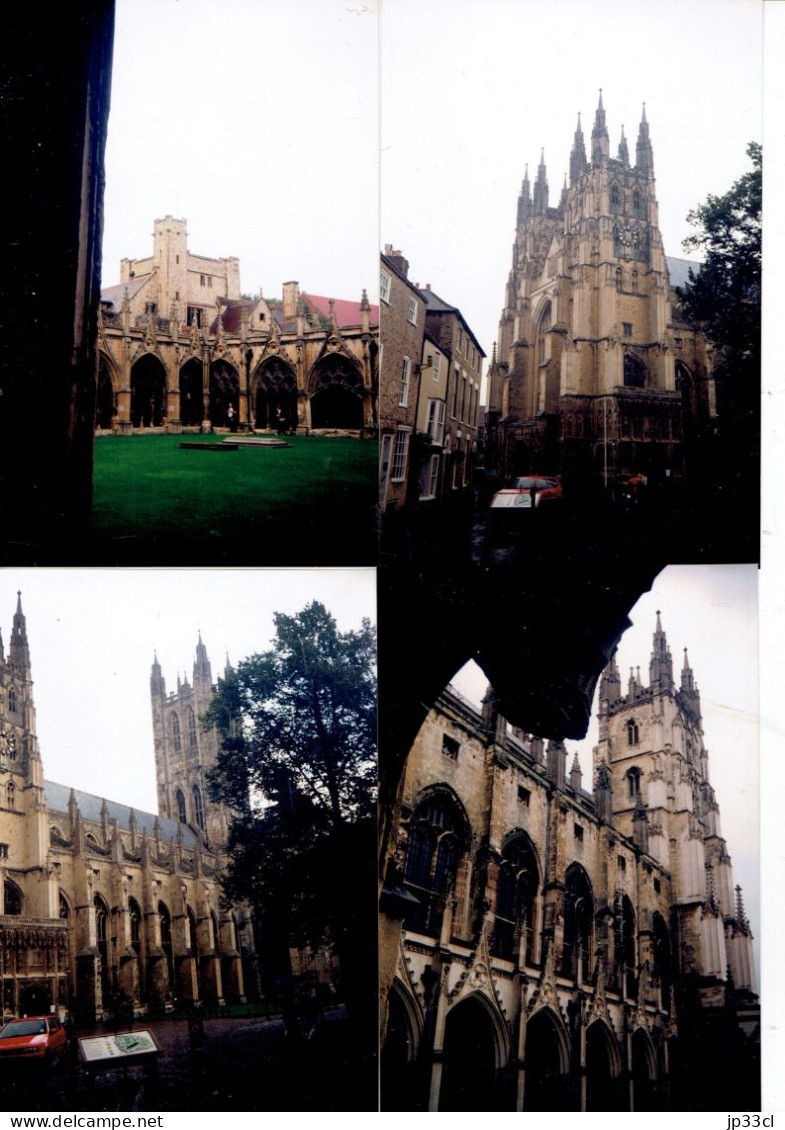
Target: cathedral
(179, 347)
(595, 374)
(548, 947)
(103, 903)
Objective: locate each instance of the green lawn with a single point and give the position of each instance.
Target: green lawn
(313, 503)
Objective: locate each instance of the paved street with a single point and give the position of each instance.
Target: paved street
(240, 1065)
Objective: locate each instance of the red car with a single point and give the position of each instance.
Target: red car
(528, 493)
(35, 1038)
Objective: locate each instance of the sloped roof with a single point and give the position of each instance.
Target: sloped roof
(347, 313)
(232, 315)
(90, 808)
(679, 270)
(115, 294)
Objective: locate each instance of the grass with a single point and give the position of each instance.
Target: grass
(313, 503)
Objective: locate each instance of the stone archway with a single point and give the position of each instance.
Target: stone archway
(106, 395)
(274, 391)
(547, 1065)
(398, 1059)
(148, 392)
(191, 397)
(336, 394)
(224, 391)
(644, 1076)
(470, 1058)
(602, 1091)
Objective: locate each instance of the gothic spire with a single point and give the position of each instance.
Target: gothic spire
(624, 152)
(202, 665)
(19, 651)
(610, 681)
(541, 188)
(525, 198)
(578, 162)
(157, 684)
(644, 155)
(600, 141)
(661, 664)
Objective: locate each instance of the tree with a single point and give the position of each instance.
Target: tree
(724, 299)
(298, 768)
(725, 295)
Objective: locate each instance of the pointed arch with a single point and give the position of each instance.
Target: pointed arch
(476, 1047)
(517, 893)
(101, 911)
(224, 392)
(191, 393)
(182, 813)
(135, 925)
(438, 840)
(108, 388)
(634, 371)
(13, 899)
(578, 949)
(174, 726)
(625, 951)
(335, 387)
(398, 1058)
(273, 389)
(198, 807)
(148, 391)
(190, 723)
(547, 1059)
(603, 1064)
(644, 1072)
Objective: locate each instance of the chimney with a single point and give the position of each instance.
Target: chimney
(396, 258)
(291, 296)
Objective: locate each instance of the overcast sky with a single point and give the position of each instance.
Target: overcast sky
(712, 610)
(257, 122)
(93, 634)
(473, 91)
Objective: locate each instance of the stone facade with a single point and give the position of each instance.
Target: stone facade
(430, 391)
(596, 376)
(179, 350)
(103, 903)
(545, 947)
(403, 328)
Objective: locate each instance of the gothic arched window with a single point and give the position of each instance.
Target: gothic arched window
(633, 734)
(12, 898)
(182, 815)
(662, 957)
(193, 936)
(624, 946)
(637, 204)
(191, 722)
(634, 781)
(543, 340)
(578, 924)
(516, 894)
(198, 807)
(634, 372)
(135, 920)
(12, 747)
(619, 279)
(10, 796)
(166, 925)
(615, 197)
(176, 740)
(436, 842)
(12, 701)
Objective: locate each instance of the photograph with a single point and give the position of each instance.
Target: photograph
(187, 805)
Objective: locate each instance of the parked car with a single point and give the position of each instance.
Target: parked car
(34, 1038)
(529, 492)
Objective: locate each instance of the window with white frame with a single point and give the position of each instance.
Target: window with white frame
(412, 314)
(400, 455)
(384, 287)
(436, 363)
(406, 376)
(432, 478)
(435, 423)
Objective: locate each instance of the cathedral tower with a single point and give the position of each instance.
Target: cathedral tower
(585, 380)
(651, 741)
(184, 750)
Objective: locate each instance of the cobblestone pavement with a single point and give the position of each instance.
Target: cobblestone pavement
(241, 1065)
